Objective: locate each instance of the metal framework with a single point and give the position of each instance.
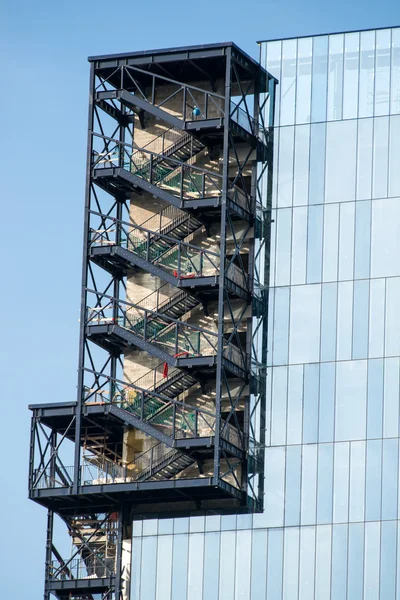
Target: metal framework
(169, 417)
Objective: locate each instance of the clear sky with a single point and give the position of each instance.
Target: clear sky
(43, 115)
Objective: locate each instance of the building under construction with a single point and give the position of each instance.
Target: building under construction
(169, 418)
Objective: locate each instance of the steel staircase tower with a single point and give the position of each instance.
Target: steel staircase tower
(170, 412)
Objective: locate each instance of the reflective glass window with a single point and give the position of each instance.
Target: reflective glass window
(341, 161)
(381, 156)
(355, 567)
(373, 480)
(275, 564)
(395, 73)
(388, 560)
(227, 566)
(323, 556)
(164, 567)
(319, 79)
(307, 563)
(351, 75)
(305, 306)
(299, 246)
(339, 560)
(291, 563)
(367, 74)
(301, 170)
(385, 247)
(371, 561)
(258, 585)
(285, 167)
(179, 566)
(292, 485)
(335, 77)
(211, 566)
(341, 482)
(382, 71)
(364, 158)
(288, 82)
(303, 78)
(357, 481)
(362, 250)
(351, 400)
(314, 243)
(394, 153)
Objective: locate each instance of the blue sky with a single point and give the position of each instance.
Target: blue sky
(43, 115)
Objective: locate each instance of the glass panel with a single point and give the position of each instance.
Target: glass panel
(323, 562)
(390, 475)
(367, 74)
(148, 571)
(351, 400)
(303, 96)
(281, 327)
(181, 525)
(341, 483)
(307, 563)
(314, 244)
(376, 317)
(373, 480)
(392, 316)
(382, 72)
(258, 565)
(339, 561)
(292, 488)
(299, 245)
(319, 79)
(391, 398)
(285, 167)
(328, 321)
(351, 70)
(357, 481)
(288, 81)
(301, 165)
(279, 402)
(291, 564)
(362, 252)
(335, 77)
(360, 319)
(341, 159)
(136, 563)
(295, 405)
(364, 159)
(394, 153)
(283, 249)
(305, 323)
(309, 485)
(331, 242)
(327, 402)
(355, 562)
(164, 567)
(395, 73)
(385, 248)
(275, 490)
(346, 241)
(371, 561)
(381, 157)
(227, 562)
(317, 163)
(325, 482)
(196, 524)
(273, 66)
(345, 320)
(243, 565)
(195, 570)
(375, 398)
(211, 566)
(275, 564)
(180, 566)
(310, 416)
(388, 560)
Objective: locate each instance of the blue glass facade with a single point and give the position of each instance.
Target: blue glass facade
(330, 527)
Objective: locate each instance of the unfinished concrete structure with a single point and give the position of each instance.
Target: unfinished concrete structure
(169, 417)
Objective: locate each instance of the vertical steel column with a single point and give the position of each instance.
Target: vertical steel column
(81, 358)
(118, 558)
(49, 554)
(221, 292)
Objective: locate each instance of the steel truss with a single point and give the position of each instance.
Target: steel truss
(178, 206)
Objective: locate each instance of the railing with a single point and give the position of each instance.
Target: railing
(48, 477)
(181, 179)
(173, 337)
(92, 567)
(242, 118)
(180, 259)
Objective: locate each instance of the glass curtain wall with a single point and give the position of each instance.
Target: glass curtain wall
(330, 527)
